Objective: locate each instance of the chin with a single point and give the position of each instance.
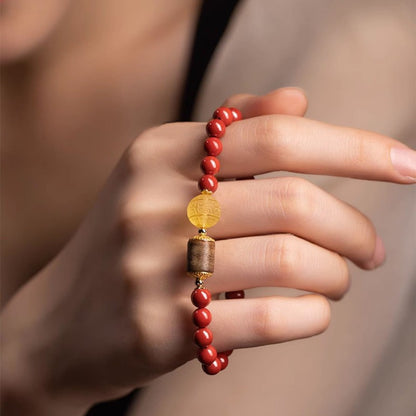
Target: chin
(25, 25)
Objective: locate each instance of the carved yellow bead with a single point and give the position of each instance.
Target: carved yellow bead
(204, 210)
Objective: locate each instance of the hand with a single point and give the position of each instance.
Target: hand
(112, 311)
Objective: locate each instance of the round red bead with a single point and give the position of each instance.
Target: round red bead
(237, 294)
(208, 182)
(224, 360)
(203, 337)
(228, 352)
(224, 114)
(210, 165)
(236, 114)
(216, 128)
(207, 355)
(213, 146)
(202, 317)
(201, 298)
(213, 368)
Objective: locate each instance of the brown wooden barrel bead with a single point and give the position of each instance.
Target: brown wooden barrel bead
(201, 255)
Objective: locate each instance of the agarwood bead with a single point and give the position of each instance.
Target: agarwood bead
(201, 255)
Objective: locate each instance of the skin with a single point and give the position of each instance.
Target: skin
(109, 310)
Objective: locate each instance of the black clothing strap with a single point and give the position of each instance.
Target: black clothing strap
(212, 23)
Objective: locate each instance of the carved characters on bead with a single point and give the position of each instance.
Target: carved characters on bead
(204, 211)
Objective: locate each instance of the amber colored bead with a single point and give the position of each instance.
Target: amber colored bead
(202, 317)
(201, 298)
(216, 128)
(237, 294)
(204, 211)
(208, 182)
(203, 337)
(236, 114)
(210, 165)
(207, 355)
(224, 360)
(224, 114)
(213, 146)
(213, 368)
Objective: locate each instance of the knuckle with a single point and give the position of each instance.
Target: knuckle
(297, 198)
(137, 267)
(358, 150)
(264, 321)
(130, 269)
(286, 256)
(270, 132)
(143, 150)
(131, 219)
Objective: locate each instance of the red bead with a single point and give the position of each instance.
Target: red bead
(224, 114)
(236, 113)
(202, 317)
(207, 355)
(213, 146)
(227, 353)
(216, 128)
(208, 182)
(237, 294)
(213, 368)
(203, 337)
(201, 298)
(224, 360)
(210, 165)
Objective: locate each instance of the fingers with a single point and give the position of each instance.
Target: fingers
(294, 205)
(295, 144)
(280, 260)
(262, 321)
(290, 101)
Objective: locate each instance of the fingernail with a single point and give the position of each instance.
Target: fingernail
(379, 252)
(404, 161)
(378, 256)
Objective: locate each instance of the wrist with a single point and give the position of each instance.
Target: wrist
(25, 392)
(25, 375)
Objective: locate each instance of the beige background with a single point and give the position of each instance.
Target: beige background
(357, 62)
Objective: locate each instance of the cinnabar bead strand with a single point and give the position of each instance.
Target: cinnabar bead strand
(208, 182)
(201, 298)
(236, 294)
(210, 165)
(215, 128)
(204, 212)
(201, 317)
(224, 360)
(236, 114)
(207, 355)
(224, 114)
(203, 337)
(213, 368)
(213, 146)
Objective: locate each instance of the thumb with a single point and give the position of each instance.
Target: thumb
(291, 101)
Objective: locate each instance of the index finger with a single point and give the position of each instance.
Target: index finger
(282, 142)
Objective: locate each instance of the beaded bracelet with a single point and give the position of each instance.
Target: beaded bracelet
(204, 212)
